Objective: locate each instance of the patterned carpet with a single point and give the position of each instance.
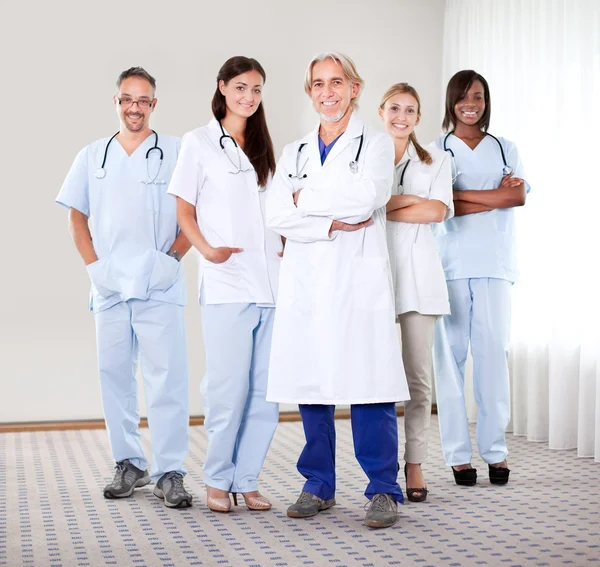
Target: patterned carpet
(52, 512)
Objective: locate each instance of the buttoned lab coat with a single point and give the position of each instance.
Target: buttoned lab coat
(334, 338)
(417, 270)
(230, 211)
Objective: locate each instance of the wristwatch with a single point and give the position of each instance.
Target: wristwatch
(174, 254)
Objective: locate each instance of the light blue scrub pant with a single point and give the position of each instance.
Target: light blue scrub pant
(481, 309)
(154, 331)
(239, 422)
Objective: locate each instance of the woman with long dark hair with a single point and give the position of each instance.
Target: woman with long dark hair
(477, 247)
(220, 181)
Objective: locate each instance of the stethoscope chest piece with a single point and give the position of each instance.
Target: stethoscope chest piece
(353, 166)
(507, 170)
(100, 173)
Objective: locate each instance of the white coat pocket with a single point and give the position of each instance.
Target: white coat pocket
(164, 272)
(430, 281)
(372, 287)
(420, 184)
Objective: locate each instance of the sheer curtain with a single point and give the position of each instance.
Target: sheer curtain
(542, 60)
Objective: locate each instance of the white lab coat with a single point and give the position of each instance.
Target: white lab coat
(230, 211)
(334, 338)
(417, 271)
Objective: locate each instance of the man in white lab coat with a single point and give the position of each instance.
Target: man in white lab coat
(334, 339)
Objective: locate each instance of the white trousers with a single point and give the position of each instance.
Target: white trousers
(153, 332)
(239, 422)
(417, 345)
(481, 310)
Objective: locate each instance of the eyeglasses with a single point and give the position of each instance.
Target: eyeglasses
(127, 102)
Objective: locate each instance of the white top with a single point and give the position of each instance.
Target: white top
(480, 245)
(417, 271)
(230, 212)
(334, 336)
(132, 221)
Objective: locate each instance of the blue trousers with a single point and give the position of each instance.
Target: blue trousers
(481, 309)
(375, 434)
(239, 422)
(152, 333)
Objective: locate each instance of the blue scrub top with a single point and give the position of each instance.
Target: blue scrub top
(133, 221)
(324, 150)
(480, 245)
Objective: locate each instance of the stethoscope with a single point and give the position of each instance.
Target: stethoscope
(353, 165)
(238, 165)
(101, 172)
(506, 169)
(401, 184)
(299, 174)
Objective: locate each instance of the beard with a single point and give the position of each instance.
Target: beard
(134, 127)
(335, 118)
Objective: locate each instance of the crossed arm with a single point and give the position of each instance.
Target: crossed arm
(414, 209)
(511, 193)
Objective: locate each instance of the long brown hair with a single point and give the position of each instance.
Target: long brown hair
(401, 88)
(457, 88)
(258, 146)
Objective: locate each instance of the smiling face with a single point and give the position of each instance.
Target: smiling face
(331, 91)
(470, 108)
(400, 115)
(243, 93)
(134, 103)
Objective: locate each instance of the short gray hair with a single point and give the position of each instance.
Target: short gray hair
(347, 66)
(137, 72)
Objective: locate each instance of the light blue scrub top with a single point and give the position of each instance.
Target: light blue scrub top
(133, 224)
(480, 245)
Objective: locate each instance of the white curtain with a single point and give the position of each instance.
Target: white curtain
(542, 61)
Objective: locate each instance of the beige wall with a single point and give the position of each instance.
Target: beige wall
(59, 63)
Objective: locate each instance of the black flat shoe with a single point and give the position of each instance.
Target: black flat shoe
(466, 477)
(415, 494)
(498, 475)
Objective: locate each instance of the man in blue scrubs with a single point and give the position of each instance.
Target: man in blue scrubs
(124, 226)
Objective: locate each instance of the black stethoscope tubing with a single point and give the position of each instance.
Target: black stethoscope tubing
(301, 147)
(225, 136)
(449, 150)
(155, 147)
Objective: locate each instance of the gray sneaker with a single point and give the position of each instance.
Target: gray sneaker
(127, 478)
(382, 512)
(309, 505)
(170, 488)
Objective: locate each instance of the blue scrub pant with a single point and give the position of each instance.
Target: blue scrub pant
(153, 332)
(375, 434)
(239, 422)
(481, 310)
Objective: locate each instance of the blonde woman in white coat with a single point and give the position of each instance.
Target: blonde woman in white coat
(421, 195)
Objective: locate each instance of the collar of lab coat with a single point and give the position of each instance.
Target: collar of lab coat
(215, 136)
(354, 130)
(409, 154)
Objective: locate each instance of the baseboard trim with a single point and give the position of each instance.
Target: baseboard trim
(19, 427)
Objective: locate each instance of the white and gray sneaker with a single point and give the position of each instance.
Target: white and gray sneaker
(127, 478)
(382, 512)
(170, 488)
